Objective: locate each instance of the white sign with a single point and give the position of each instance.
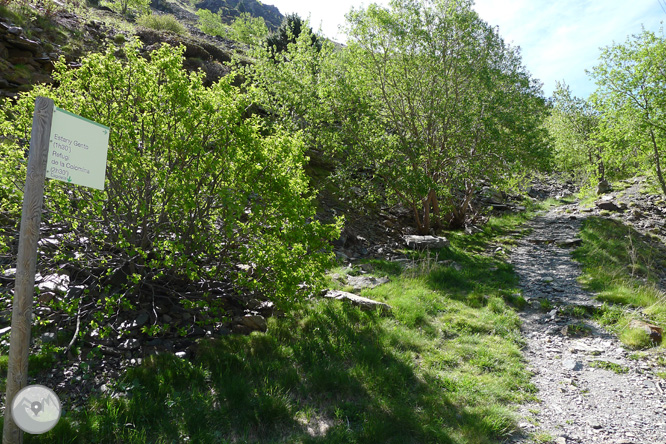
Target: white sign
(77, 150)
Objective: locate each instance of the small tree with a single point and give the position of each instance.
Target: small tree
(292, 27)
(211, 23)
(126, 6)
(440, 102)
(573, 125)
(631, 82)
(248, 29)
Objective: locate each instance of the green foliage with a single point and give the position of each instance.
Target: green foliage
(636, 338)
(212, 23)
(431, 122)
(394, 112)
(193, 187)
(288, 34)
(629, 96)
(572, 125)
(293, 90)
(125, 7)
(161, 22)
(248, 29)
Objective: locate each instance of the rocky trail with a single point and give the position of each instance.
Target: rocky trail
(591, 389)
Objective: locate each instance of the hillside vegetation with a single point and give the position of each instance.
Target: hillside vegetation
(245, 152)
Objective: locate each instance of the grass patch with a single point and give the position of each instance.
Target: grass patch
(161, 22)
(624, 268)
(446, 368)
(611, 366)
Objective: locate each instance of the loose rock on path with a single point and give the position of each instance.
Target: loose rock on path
(581, 398)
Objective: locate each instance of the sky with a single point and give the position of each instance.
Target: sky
(559, 39)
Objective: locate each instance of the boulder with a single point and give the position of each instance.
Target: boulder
(426, 242)
(359, 301)
(360, 282)
(569, 243)
(654, 331)
(607, 205)
(55, 283)
(254, 322)
(604, 187)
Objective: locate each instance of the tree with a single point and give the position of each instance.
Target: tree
(292, 90)
(631, 81)
(573, 125)
(432, 101)
(292, 27)
(125, 6)
(248, 29)
(212, 23)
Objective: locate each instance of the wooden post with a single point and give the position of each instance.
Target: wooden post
(31, 216)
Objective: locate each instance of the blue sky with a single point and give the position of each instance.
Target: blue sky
(559, 39)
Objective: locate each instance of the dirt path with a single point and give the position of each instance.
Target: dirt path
(580, 401)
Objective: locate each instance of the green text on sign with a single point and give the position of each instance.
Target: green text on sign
(77, 150)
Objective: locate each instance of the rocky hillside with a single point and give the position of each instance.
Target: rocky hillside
(233, 8)
(32, 39)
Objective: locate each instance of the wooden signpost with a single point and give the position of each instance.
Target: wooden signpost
(79, 146)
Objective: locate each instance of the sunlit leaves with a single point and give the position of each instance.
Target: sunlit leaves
(193, 185)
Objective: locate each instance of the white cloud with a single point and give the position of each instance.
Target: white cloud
(561, 39)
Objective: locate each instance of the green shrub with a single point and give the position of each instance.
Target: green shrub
(193, 186)
(248, 29)
(165, 22)
(212, 24)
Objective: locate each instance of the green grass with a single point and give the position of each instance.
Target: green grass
(623, 267)
(164, 22)
(445, 368)
(611, 366)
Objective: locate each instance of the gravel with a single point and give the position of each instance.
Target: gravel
(590, 388)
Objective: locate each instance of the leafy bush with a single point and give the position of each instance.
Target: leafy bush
(211, 23)
(248, 29)
(126, 6)
(193, 186)
(288, 33)
(166, 22)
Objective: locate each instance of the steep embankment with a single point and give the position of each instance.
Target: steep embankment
(32, 39)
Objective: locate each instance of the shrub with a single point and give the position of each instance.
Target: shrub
(166, 22)
(248, 29)
(211, 23)
(193, 186)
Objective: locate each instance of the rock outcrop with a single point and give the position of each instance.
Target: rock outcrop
(23, 61)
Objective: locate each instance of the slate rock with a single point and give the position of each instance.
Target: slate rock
(141, 319)
(48, 337)
(569, 243)
(129, 344)
(359, 301)
(573, 365)
(607, 205)
(360, 282)
(604, 187)
(55, 283)
(254, 322)
(426, 242)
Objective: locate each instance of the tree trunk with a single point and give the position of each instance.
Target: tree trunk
(435, 209)
(422, 229)
(660, 176)
(426, 215)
